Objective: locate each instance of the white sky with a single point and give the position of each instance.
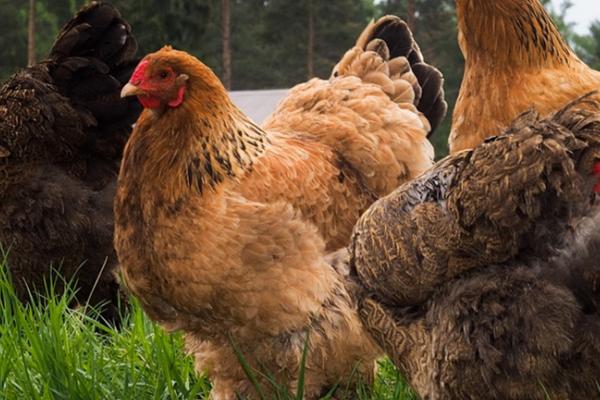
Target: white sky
(582, 13)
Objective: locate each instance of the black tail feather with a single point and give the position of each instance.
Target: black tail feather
(401, 43)
(91, 60)
(398, 37)
(97, 31)
(432, 103)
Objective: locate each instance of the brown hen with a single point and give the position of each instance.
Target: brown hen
(222, 226)
(457, 278)
(62, 132)
(515, 60)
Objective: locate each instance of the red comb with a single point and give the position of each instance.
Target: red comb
(138, 74)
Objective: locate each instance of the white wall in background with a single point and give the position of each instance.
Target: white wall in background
(258, 104)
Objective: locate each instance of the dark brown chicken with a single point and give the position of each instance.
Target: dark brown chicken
(456, 274)
(63, 126)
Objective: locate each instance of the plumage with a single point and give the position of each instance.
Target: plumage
(478, 299)
(457, 277)
(365, 123)
(63, 127)
(515, 59)
(232, 241)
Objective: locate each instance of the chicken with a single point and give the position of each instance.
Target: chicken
(221, 227)
(362, 133)
(515, 60)
(456, 274)
(63, 128)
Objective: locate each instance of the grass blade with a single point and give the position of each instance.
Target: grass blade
(302, 373)
(247, 368)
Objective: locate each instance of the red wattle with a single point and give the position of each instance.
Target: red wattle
(149, 102)
(596, 170)
(176, 102)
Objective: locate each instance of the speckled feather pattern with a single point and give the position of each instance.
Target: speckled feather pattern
(222, 226)
(515, 60)
(457, 277)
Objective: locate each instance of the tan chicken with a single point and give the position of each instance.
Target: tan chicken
(457, 277)
(364, 130)
(515, 60)
(222, 226)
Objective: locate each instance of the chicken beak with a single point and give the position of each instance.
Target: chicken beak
(131, 90)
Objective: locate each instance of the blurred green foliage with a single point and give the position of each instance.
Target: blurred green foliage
(270, 37)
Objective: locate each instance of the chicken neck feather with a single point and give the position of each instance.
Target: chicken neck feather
(210, 141)
(513, 32)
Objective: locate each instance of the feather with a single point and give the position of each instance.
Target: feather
(390, 41)
(233, 239)
(514, 53)
(63, 127)
(457, 275)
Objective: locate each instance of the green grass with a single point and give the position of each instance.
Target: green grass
(52, 352)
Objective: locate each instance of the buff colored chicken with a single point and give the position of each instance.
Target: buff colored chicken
(369, 122)
(457, 277)
(222, 226)
(515, 60)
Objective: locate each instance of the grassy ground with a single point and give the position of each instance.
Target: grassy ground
(52, 352)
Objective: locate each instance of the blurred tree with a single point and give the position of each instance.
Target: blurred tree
(31, 33)
(226, 38)
(310, 51)
(13, 37)
(47, 25)
(410, 13)
(247, 49)
(14, 34)
(181, 23)
(287, 36)
(588, 46)
(63, 10)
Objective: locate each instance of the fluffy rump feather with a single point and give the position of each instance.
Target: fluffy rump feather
(367, 112)
(387, 55)
(521, 330)
(392, 39)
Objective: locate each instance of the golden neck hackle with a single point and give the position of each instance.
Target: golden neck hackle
(515, 33)
(200, 145)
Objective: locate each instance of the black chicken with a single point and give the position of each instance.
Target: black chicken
(63, 126)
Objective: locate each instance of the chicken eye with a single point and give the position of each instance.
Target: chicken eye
(163, 74)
